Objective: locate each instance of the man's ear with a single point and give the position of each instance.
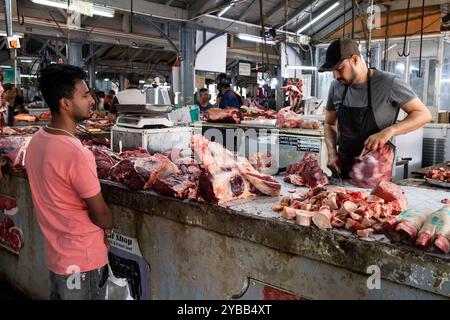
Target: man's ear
(355, 59)
(65, 104)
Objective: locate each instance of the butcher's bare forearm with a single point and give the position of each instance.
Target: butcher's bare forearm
(413, 121)
(330, 138)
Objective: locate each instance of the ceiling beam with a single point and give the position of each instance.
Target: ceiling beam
(200, 7)
(272, 11)
(300, 11)
(99, 35)
(253, 7)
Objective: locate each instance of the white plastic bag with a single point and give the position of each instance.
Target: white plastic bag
(117, 288)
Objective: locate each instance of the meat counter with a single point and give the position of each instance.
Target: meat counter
(287, 145)
(239, 250)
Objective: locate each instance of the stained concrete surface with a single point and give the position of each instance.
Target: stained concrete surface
(9, 293)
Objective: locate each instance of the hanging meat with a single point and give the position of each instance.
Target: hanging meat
(286, 118)
(295, 94)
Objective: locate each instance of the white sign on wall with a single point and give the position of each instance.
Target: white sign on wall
(245, 69)
(213, 56)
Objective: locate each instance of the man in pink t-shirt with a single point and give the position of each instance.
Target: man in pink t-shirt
(69, 206)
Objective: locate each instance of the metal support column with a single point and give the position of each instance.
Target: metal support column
(76, 54)
(91, 66)
(8, 17)
(121, 82)
(187, 63)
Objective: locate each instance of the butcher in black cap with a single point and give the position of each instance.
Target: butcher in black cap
(363, 105)
(229, 98)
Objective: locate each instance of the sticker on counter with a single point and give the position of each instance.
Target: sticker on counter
(126, 261)
(288, 140)
(11, 235)
(308, 145)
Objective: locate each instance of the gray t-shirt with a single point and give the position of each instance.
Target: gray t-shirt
(388, 94)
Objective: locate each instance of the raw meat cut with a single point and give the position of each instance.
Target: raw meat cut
(286, 118)
(227, 176)
(25, 117)
(13, 148)
(105, 160)
(26, 130)
(263, 183)
(322, 218)
(228, 115)
(440, 174)
(7, 203)
(372, 167)
(265, 163)
(10, 236)
(356, 211)
(436, 229)
(405, 226)
(306, 173)
(141, 173)
(392, 193)
(137, 153)
(45, 116)
(7, 131)
(179, 186)
(97, 142)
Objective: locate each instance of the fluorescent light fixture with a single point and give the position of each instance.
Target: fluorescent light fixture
(4, 34)
(97, 9)
(400, 67)
(221, 13)
(301, 67)
(141, 81)
(28, 76)
(106, 79)
(393, 46)
(103, 11)
(320, 16)
(6, 67)
(26, 61)
(56, 4)
(249, 37)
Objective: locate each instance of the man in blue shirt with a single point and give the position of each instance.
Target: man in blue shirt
(229, 99)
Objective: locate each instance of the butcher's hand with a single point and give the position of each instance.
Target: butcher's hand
(333, 162)
(378, 140)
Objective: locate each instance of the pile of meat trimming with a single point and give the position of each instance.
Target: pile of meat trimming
(383, 210)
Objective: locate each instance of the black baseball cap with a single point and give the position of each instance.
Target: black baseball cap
(338, 51)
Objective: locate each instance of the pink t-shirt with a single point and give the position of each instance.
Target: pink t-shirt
(62, 172)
